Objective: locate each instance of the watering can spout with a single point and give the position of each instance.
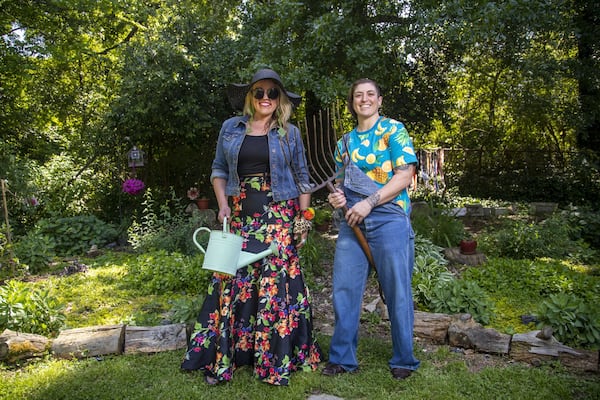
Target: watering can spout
(247, 258)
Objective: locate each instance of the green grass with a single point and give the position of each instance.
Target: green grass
(102, 296)
(443, 375)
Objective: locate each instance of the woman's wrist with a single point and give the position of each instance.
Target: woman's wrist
(373, 199)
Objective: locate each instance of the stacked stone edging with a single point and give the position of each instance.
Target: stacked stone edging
(535, 347)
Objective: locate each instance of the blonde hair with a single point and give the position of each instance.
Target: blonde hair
(282, 114)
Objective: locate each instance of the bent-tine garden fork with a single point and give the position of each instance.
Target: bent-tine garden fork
(321, 147)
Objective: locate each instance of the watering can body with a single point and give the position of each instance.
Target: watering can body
(224, 251)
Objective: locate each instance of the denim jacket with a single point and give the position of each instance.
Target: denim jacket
(287, 160)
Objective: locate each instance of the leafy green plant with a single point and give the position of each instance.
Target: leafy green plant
(75, 235)
(35, 250)
(438, 225)
(32, 311)
(313, 253)
(323, 215)
(460, 296)
(166, 228)
(430, 269)
(574, 321)
(523, 239)
(185, 310)
(156, 272)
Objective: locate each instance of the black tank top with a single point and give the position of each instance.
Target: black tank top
(254, 156)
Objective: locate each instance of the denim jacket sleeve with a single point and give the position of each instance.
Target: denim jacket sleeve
(229, 142)
(297, 159)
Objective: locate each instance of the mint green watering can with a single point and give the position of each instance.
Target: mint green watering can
(224, 251)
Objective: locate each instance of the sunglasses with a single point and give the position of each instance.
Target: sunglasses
(272, 93)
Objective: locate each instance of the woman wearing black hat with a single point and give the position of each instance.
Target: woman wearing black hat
(262, 316)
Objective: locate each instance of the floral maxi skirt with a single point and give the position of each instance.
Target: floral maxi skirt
(262, 316)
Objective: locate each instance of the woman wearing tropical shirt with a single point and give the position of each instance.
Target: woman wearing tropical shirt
(376, 162)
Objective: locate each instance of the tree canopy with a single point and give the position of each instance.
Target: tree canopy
(84, 80)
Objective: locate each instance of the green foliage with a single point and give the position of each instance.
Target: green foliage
(165, 227)
(586, 222)
(438, 225)
(462, 296)
(313, 253)
(185, 310)
(322, 215)
(75, 235)
(10, 266)
(430, 269)
(36, 251)
(32, 311)
(575, 322)
(530, 239)
(518, 286)
(157, 272)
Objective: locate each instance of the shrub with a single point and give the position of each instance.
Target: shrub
(75, 235)
(438, 225)
(460, 296)
(166, 229)
(524, 239)
(28, 310)
(157, 272)
(429, 270)
(587, 224)
(573, 321)
(186, 310)
(36, 251)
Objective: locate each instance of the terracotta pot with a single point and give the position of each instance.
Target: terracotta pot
(202, 203)
(468, 246)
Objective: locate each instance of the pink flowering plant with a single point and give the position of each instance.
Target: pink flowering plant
(133, 186)
(193, 193)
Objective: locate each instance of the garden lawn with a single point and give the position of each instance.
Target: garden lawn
(443, 375)
(107, 294)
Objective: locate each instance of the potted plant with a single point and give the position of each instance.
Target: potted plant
(201, 201)
(468, 245)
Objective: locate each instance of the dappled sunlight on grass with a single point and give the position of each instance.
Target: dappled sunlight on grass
(98, 297)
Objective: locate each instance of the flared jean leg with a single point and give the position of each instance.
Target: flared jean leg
(350, 272)
(392, 244)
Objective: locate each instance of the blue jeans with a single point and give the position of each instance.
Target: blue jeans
(389, 233)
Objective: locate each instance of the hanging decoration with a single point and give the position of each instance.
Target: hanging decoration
(132, 185)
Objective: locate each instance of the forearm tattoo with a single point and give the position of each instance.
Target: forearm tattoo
(373, 199)
(402, 167)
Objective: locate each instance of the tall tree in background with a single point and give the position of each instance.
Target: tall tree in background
(587, 31)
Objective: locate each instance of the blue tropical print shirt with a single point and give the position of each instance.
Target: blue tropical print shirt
(378, 151)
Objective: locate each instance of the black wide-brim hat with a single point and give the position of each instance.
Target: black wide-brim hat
(236, 92)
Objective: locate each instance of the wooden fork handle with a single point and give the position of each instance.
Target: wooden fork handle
(362, 240)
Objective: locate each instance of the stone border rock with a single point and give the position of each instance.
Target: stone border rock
(535, 347)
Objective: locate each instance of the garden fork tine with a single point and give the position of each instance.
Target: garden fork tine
(322, 168)
(323, 171)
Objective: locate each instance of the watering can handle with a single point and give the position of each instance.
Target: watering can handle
(202, 249)
(224, 233)
(225, 226)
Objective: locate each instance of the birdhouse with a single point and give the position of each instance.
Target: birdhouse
(135, 157)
